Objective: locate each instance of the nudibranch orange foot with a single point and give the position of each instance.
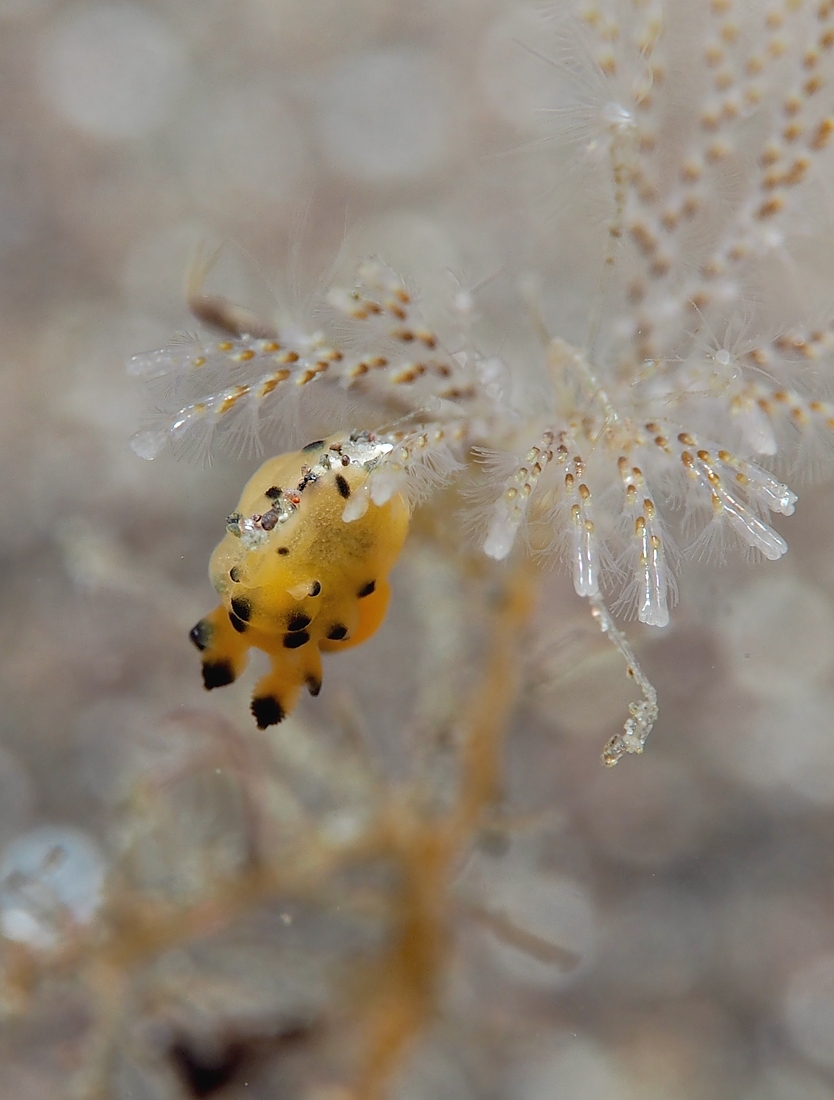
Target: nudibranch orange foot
(302, 569)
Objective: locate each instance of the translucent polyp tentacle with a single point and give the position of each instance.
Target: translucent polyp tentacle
(653, 608)
(651, 571)
(733, 484)
(511, 508)
(584, 546)
(755, 532)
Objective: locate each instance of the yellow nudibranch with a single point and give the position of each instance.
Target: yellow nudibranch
(302, 569)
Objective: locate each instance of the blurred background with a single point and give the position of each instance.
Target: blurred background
(692, 890)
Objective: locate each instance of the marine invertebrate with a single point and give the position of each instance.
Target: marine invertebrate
(663, 419)
(291, 840)
(295, 577)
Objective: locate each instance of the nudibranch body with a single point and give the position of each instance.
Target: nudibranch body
(302, 569)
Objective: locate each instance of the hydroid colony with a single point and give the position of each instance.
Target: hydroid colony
(696, 140)
(670, 427)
